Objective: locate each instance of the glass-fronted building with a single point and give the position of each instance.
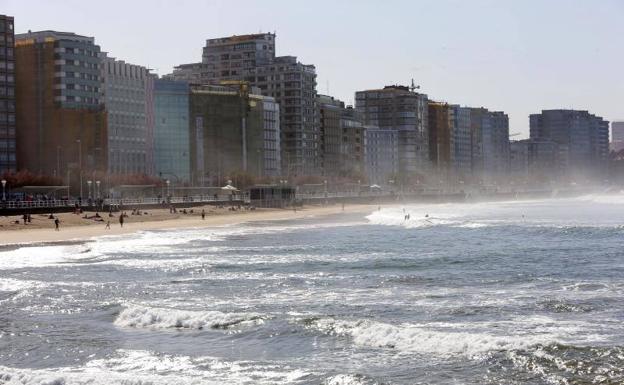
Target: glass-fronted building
(171, 130)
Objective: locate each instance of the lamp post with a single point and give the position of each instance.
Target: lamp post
(58, 161)
(4, 182)
(80, 163)
(89, 183)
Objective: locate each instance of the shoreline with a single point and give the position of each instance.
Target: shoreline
(12, 239)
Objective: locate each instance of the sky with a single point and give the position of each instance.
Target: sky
(518, 56)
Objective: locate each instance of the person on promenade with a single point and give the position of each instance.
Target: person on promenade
(56, 224)
(121, 219)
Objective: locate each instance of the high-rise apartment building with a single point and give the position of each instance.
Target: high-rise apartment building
(490, 144)
(8, 161)
(400, 109)
(128, 97)
(462, 156)
(617, 136)
(343, 139)
(353, 146)
(582, 140)
(252, 58)
(171, 131)
(450, 148)
(441, 137)
(62, 127)
(330, 134)
(382, 156)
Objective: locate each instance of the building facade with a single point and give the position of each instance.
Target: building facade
(171, 131)
(252, 58)
(441, 137)
(582, 140)
(617, 136)
(462, 147)
(489, 144)
(62, 127)
(272, 138)
(227, 133)
(330, 134)
(382, 156)
(547, 160)
(404, 111)
(353, 147)
(519, 159)
(190, 73)
(8, 159)
(128, 97)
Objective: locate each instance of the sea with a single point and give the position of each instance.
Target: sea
(517, 292)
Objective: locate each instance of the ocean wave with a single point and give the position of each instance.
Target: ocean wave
(164, 318)
(135, 367)
(565, 364)
(41, 256)
(349, 379)
(417, 339)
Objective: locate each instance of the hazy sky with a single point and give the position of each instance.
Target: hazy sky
(519, 56)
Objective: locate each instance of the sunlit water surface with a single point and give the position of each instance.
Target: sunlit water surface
(498, 293)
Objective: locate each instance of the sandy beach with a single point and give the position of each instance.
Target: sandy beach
(74, 227)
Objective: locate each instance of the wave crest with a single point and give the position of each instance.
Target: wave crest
(163, 318)
(417, 339)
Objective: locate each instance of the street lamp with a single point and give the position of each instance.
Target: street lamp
(89, 188)
(80, 163)
(58, 161)
(3, 188)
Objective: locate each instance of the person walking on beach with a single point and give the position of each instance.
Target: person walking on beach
(56, 224)
(121, 219)
(107, 225)
(203, 214)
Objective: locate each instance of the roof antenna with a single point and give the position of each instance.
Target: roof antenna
(414, 86)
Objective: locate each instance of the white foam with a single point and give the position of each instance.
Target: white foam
(40, 256)
(605, 211)
(348, 379)
(164, 318)
(470, 341)
(131, 367)
(11, 284)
